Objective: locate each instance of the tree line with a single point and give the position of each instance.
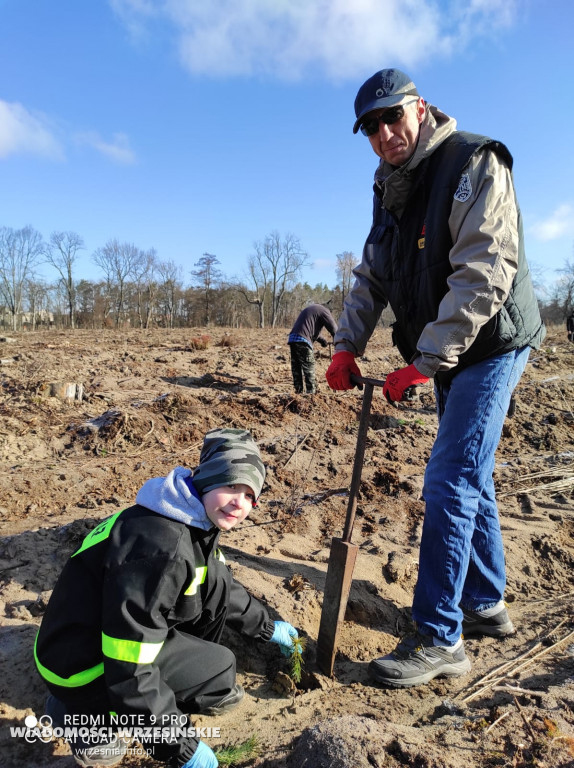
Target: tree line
(138, 289)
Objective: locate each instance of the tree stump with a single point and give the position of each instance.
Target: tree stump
(64, 391)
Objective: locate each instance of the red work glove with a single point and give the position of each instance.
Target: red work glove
(398, 381)
(339, 372)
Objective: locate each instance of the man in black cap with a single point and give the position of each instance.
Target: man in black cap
(446, 252)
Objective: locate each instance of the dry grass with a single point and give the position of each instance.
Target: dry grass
(200, 342)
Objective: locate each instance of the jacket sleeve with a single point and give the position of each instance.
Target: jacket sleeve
(137, 596)
(330, 323)
(484, 259)
(363, 306)
(246, 614)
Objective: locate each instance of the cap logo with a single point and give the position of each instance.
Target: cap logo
(386, 88)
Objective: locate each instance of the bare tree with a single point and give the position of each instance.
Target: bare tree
(86, 298)
(346, 263)
(564, 291)
(258, 271)
(168, 289)
(145, 285)
(61, 253)
(20, 251)
(35, 293)
(538, 275)
(279, 262)
(230, 310)
(118, 262)
(207, 277)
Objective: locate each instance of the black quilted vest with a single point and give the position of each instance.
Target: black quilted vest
(411, 258)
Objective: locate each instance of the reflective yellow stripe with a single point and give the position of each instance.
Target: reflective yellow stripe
(130, 650)
(220, 556)
(100, 532)
(74, 681)
(198, 579)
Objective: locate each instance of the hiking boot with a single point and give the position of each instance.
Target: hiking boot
(229, 701)
(56, 710)
(493, 621)
(416, 660)
(101, 753)
(106, 752)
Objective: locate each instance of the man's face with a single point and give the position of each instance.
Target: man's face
(396, 142)
(228, 505)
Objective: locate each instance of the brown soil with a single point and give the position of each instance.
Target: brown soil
(148, 399)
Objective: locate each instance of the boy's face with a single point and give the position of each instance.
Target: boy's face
(228, 505)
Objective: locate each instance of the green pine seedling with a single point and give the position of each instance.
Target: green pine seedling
(296, 659)
(239, 754)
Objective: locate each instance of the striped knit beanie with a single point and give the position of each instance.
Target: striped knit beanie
(229, 457)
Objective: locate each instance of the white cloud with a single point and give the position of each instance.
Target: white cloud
(559, 223)
(134, 14)
(22, 132)
(118, 149)
(291, 38)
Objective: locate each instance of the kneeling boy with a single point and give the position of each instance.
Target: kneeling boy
(134, 622)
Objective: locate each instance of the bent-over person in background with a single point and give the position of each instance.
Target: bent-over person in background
(306, 330)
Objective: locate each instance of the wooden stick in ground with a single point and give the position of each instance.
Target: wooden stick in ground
(502, 668)
(515, 689)
(520, 667)
(530, 651)
(531, 660)
(498, 720)
(552, 599)
(299, 445)
(523, 716)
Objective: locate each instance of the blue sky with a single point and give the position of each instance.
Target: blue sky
(200, 126)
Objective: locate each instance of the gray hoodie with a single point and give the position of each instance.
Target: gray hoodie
(174, 496)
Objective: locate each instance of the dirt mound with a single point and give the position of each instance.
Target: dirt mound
(88, 417)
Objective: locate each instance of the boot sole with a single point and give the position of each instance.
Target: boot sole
(456, 669)
(99, 758)
(226, 705)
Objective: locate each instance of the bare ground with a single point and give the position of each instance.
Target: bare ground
(149, 397)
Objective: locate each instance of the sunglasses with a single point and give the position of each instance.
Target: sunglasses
(391, 115)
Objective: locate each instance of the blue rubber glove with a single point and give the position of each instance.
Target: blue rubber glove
(284, 635)
(203, 757)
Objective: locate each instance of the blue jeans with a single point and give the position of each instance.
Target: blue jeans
(461, 554)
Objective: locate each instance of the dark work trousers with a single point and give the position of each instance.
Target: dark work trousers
(198, 670)
(303, 367)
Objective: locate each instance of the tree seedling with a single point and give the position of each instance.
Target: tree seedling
(296, 659)
(238, 754)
